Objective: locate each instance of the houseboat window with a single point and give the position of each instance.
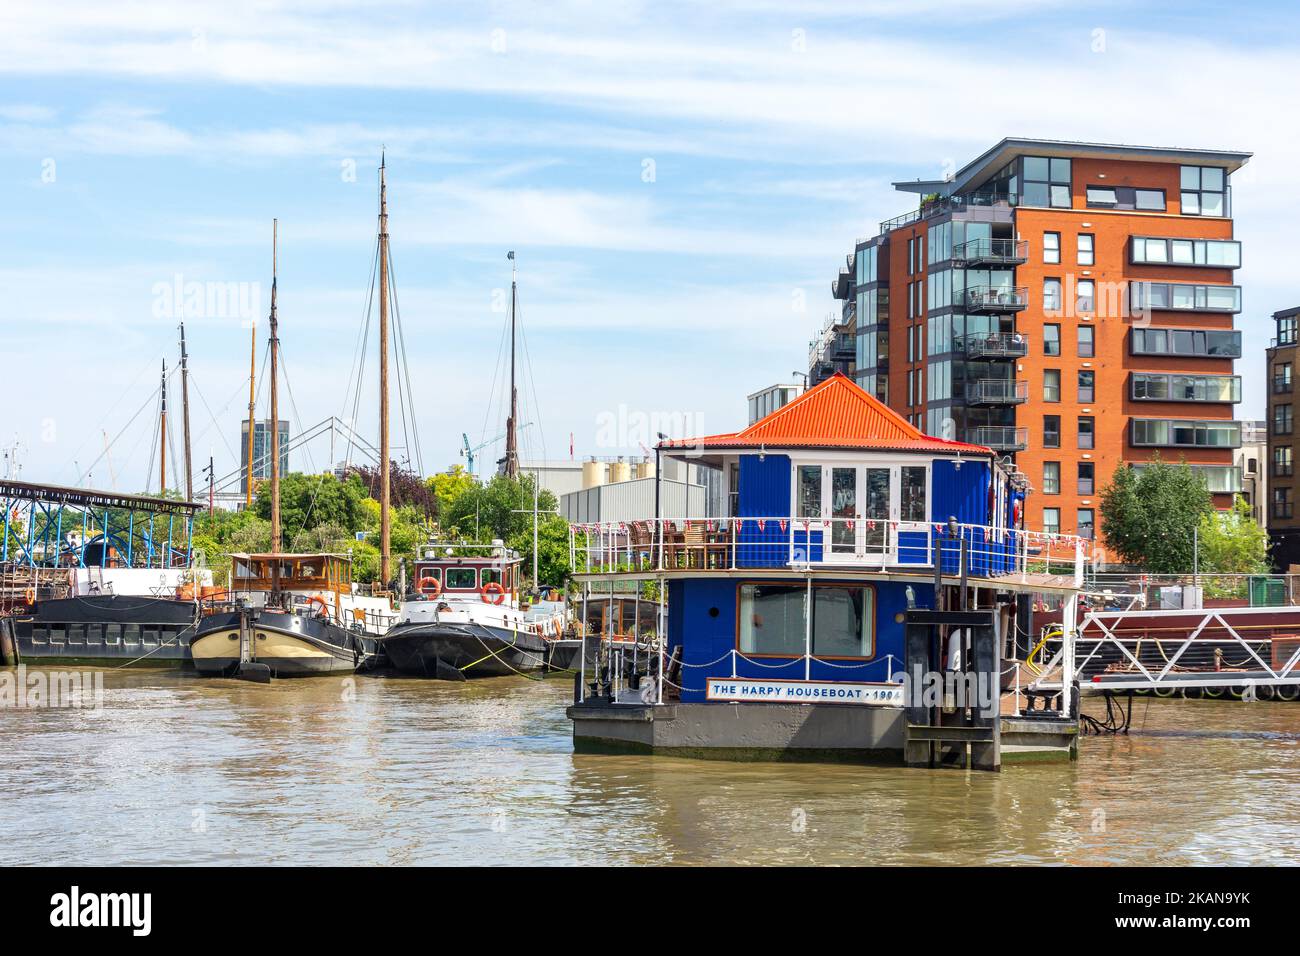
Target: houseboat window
(913, 493)
(488, 575)
(460, 579)
(810, 491)
(842, 622)
(773, 621)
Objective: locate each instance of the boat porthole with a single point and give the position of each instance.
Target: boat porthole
(714, 612)
(261, 636)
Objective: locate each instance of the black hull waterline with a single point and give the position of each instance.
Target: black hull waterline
(290, 645)
(105, 629)
(462, 651)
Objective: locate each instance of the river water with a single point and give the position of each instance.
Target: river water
(174, 769)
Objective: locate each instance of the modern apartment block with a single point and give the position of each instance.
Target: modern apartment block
(1283, 526)
(1068, 304)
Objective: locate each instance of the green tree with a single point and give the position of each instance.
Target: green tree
(1149, 518)
(500, 509)
(309, 500)
(448, 486)
(1233, 542)
(552, 549)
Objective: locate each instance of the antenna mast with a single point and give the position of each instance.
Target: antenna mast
(252, 411)
(162, 435)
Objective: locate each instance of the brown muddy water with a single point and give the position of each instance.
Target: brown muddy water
(174, 769)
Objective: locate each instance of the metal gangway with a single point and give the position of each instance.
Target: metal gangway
(1245, 651)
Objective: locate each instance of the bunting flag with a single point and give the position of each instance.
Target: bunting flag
(848, 524)
(708, 526)
(871, 524)
(938, 529)
(740, 523)
(762, 523)
(783, 523)
(806, 524)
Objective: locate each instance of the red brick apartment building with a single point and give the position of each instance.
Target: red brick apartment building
(1071, 305)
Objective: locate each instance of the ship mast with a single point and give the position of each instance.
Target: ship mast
(185, 416)
(252, 411)
(162, 435)
(512, 437)
(384, 454)
(275, 418)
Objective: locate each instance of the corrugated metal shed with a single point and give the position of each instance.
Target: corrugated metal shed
(633, 501)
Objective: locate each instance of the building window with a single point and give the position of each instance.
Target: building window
(1178, 433)
(1282, 465)
(1282, 504)
(1282, 378)
(1087, 470)
(1051, 385)
(1286, 329)
(1204, 191)
(1046, 182)
(1149, 250)
(1083, 523)
(1051, 477)
(1163, 387)
(1087, 380)
(1051, 340)
(810, 491)
(1212, 343)
(1184, 297)
(1126, 197)
(1086, 426)
(1086, 296)
(1086, 346)
(1052, 248)
(1051, 431)
(1052, 295)
(1281, 419)
(1086, 250)
(773, 621)
(1052, 520)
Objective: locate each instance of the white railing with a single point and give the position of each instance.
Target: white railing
(727, 544)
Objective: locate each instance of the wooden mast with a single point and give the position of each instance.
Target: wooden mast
(252, 411)
(275, 418)
(512, 423)
(162, 435)
(384, 455)
(185, 417)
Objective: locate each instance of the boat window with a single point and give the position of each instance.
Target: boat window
(913, 493)
(810, 491)
(461, 579)
(772, 621)
(488, 575)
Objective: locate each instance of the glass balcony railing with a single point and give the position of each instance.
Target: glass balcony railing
(999, 437)
(995, 345)
(996, 391)
(991, 251)
(985, 298)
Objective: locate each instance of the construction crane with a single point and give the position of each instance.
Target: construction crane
(470, 452)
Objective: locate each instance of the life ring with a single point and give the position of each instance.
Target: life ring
(492, 587)
(317, 599)
(429, 586)
(30, 595)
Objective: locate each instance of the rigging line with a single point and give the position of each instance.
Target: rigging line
(150, 363)
(171, 446)
(404, 374)
(153, 448)
(356, 373)
(497, 368)
(293, 404)
(532, 382)
(212, 419)
(152, 397)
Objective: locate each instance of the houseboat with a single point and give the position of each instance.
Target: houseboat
(296, 614)
(863, 572)
(465, 618)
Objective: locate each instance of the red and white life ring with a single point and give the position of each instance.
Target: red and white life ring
(429, 586)
(493, 588)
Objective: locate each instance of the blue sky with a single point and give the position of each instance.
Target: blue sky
(140, 142)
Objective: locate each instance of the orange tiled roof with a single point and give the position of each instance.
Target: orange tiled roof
(835, 414)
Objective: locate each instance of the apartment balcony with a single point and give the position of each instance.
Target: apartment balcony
(991, 252)
(999, 437)
(996, 345)
(996, 391)
(991, 299)
(842, 284)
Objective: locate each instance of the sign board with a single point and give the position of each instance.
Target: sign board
(803, 691)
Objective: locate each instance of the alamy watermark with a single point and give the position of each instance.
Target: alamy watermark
(46, 689)
(183, 298)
